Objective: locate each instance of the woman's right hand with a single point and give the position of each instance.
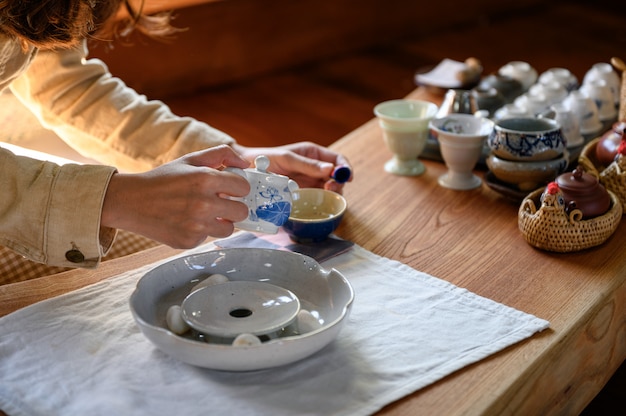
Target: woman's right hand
(180, 203)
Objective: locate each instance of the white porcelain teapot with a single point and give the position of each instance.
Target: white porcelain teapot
(269, 201)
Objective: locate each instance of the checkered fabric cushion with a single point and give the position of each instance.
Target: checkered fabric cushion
(16, 268)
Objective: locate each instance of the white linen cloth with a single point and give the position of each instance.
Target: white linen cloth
(83, 354)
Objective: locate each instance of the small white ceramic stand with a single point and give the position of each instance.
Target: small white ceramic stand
(229, 309)
(404, 124)
(461, 141)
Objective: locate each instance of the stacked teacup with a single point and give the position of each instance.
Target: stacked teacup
(527, 152)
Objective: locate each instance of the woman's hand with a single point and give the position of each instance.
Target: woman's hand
(307, 163)
(182, 202)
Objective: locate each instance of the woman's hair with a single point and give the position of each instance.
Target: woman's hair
(48, 24)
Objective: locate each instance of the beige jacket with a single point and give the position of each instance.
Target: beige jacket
(51, 213)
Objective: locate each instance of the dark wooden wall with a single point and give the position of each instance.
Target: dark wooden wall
(232, 40)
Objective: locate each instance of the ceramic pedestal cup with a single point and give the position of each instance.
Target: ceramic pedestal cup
(404, 124)
(461, 141)
(269, 201)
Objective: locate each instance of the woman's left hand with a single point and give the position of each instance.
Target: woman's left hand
(307, 163)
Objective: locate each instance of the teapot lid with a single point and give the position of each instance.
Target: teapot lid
(578, 181)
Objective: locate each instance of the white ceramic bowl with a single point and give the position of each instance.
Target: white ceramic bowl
(326, 294)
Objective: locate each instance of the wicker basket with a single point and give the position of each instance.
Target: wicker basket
(551, 228)
(588, 159)
(613, 177)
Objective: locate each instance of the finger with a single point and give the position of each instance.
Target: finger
(310, 167)
(334, 186)
(231, 210)
(216, 157)
(321, 154)
(209, 182)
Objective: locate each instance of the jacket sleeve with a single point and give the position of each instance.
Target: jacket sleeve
(102, 118)
(51, 213)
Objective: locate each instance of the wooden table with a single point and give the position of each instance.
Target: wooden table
(471, 239)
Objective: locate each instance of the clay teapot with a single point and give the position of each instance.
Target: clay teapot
(606, 149)
(583, 191)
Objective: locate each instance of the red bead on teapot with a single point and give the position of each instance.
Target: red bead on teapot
(583, 191)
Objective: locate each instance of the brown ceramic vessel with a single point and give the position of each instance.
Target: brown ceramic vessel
(607, 146)
(583, 191)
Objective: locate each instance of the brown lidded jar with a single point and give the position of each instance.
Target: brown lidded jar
(606, 149)
(583, 191)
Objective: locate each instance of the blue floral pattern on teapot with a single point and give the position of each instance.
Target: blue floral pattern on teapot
(269, 200)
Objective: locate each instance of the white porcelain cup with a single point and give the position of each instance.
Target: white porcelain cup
(521, 71)
(605, 71)
(561, 75)
(585, 110)
(510, 111)
(553, 91)
(599, 91)
(569, 125)
(533, 103)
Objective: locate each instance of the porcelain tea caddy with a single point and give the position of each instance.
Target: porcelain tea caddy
(269, 201)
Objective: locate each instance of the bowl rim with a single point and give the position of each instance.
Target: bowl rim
(429, 109)
(498, 127)
(334, 217)
(482, 122)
